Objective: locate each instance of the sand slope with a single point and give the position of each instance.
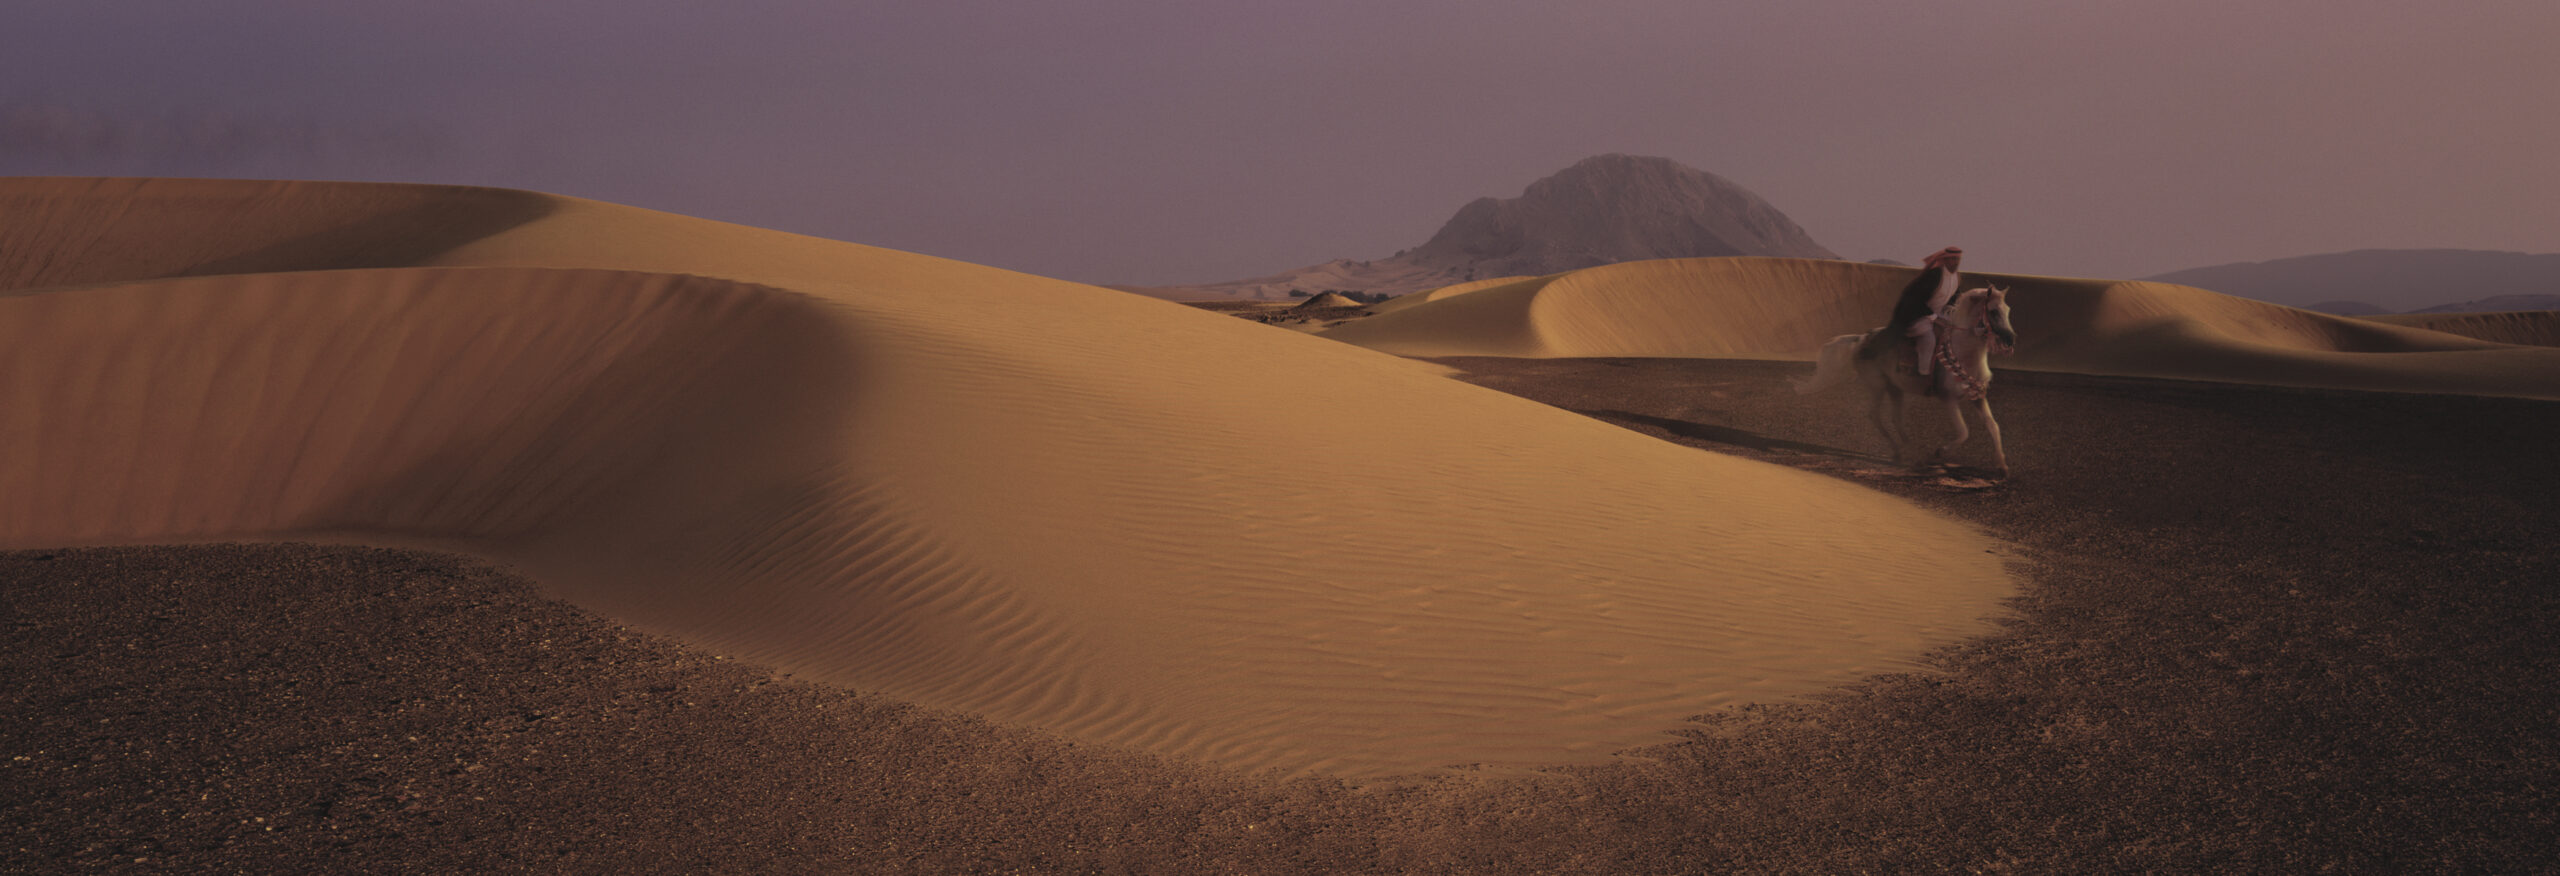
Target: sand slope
(1786, 308)
(1055, 505)
(70, 231)
(1427, 296)
(2537, 328)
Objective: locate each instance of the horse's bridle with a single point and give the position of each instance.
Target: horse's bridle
(1974, 388)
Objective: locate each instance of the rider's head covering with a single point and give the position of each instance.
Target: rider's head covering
(1940, 258)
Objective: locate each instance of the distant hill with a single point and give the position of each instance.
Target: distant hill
(2368, 281)
(1602, 210)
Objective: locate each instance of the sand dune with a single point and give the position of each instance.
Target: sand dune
(63, 231)
(2537, 328)
(1427, 296)
(1785, 308)
(1326, 299)
(1051, 504)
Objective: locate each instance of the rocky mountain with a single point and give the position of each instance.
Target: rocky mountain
(1604, 209)
(2390, 280)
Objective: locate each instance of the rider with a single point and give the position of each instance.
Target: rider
(1927, 294)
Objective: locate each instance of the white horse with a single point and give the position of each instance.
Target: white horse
(1970, 329)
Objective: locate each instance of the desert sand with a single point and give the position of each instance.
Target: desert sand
(2539, 328)
(1117, 519)
(1757, 308)
(752, 552)
(1427, 296)
(2263, 630)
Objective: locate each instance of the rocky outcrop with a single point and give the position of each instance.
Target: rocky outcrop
(1603, 209)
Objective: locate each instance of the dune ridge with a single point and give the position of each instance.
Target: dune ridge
(2535, 328)
(1770, 308)
(1427, 296)
(72, 231)
(1054, 505)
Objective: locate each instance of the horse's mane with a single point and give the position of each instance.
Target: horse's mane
(1973, 306)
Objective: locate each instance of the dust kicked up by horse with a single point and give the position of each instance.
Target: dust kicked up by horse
(1885, 365)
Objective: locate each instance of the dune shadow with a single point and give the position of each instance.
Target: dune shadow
(1727, 435)
(162, 229)
(442, 221)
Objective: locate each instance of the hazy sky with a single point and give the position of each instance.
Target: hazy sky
(1166, 142)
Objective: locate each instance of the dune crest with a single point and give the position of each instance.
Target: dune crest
(1427, 296)
(71, 231)
(1769, 308)
(2536, 328)
(1054, 505)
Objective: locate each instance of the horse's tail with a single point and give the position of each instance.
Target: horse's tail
(1833, 365)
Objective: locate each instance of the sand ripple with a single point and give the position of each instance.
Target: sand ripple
(1054, 505)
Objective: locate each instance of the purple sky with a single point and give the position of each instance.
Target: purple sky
(1168, 142)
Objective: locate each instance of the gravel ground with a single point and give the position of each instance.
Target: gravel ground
(2263, 630)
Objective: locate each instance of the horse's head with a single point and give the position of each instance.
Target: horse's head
(1989, 307)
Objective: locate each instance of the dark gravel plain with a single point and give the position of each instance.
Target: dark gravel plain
(2263, 630)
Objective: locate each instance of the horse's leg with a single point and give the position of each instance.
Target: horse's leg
(1955, 412)
(1901, 425)
(1991, 427)
(1882, 394)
